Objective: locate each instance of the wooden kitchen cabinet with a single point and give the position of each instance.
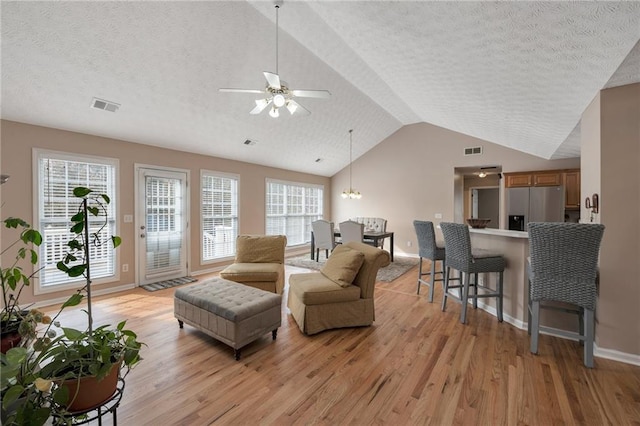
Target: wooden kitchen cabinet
(518, 180)
(572, 189)
(547, 179)
(542, 178)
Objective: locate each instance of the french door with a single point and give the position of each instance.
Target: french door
(161, 224)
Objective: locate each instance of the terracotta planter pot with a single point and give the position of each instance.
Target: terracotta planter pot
(10, 340)
(88, 393)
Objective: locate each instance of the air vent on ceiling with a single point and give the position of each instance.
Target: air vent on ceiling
(249, 142)
(104, 105)
(476, 150)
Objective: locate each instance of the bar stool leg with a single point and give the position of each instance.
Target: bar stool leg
(535, 325)
(475, 291)
(499, 302)
(589, 325)
(581, 326)
(465, 297)
(419, 273)
(445, 283)
(433, 280)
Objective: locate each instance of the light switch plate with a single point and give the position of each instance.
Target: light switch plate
(438, 215)
(128, 218)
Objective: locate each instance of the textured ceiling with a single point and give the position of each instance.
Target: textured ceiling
(519, 74)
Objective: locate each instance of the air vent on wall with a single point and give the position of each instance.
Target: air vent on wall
(249, 142)
(104, 105)
(476, 150)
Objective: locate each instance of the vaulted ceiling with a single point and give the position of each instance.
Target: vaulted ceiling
(518, 74)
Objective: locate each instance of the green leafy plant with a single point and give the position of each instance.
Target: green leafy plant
(13, 278)
(31, 378)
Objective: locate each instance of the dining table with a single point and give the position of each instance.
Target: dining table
(372, 236)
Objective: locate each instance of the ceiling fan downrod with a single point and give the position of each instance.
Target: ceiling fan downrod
(277, 9)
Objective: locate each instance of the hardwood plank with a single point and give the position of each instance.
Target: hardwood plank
(415, 365)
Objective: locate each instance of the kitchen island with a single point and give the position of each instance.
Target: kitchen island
(514, 246)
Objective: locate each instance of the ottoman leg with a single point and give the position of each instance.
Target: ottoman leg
(181, 324)
(236, 353)
(274, 334)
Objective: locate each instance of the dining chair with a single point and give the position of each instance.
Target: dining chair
(373, 224)
(563, 267)
(428, 248)
(351, 231)
(460, 256)
(324, 237)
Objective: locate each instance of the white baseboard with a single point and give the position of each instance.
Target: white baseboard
(611, 354)
(94, 292)
(614, 355)
(208, 271)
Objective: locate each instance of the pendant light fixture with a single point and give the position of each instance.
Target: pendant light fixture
(351, 193)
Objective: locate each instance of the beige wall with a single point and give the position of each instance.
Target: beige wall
(590, 157)
(18, 141)
(618, 313)
(410, 175)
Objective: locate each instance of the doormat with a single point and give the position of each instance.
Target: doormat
(161, 285)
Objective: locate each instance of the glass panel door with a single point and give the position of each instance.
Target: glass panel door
(162, 222)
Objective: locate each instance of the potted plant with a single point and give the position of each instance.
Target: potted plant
(14, 280)
(37, 380)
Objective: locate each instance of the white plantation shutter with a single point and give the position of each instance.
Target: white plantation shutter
(291, 207)
(219, 210)
(57, 175)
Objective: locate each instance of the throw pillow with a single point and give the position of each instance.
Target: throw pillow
(343, 265)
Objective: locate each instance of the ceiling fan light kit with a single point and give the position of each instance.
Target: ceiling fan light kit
(278, 93)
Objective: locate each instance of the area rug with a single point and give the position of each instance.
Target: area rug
(389, 273)
(161, 285)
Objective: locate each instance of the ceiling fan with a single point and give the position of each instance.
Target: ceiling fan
(278, 94)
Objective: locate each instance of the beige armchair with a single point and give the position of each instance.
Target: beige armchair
(259, 262)
(341, 295)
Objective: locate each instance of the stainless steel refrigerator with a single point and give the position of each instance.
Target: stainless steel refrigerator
(534, 204)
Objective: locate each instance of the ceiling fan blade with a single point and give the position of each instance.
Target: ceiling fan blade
(324, 94)
(261, 104)
(296, 108)
(241, 90)
(273, 80)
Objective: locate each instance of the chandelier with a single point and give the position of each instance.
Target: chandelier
(351, 193)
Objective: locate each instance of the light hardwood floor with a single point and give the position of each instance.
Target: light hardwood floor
(415, 365)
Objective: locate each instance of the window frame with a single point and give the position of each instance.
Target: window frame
(37, 155)
(318, 215)
(236, 177)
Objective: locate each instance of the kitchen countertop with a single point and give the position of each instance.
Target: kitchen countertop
(500, 232)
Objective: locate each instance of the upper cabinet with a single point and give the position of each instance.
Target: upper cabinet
(569, 178)
(572, 189)
(515, 180)
(543, 178)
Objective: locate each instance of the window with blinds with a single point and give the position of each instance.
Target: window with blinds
(57, 175)
(291, 207)
(219, 210)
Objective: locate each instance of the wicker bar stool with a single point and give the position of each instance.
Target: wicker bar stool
(460, 256)
(563, 267)
(428, 248)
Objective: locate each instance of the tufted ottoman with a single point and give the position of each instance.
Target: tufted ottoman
(230, 312)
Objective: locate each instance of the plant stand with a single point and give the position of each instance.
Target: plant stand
(109, 406)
